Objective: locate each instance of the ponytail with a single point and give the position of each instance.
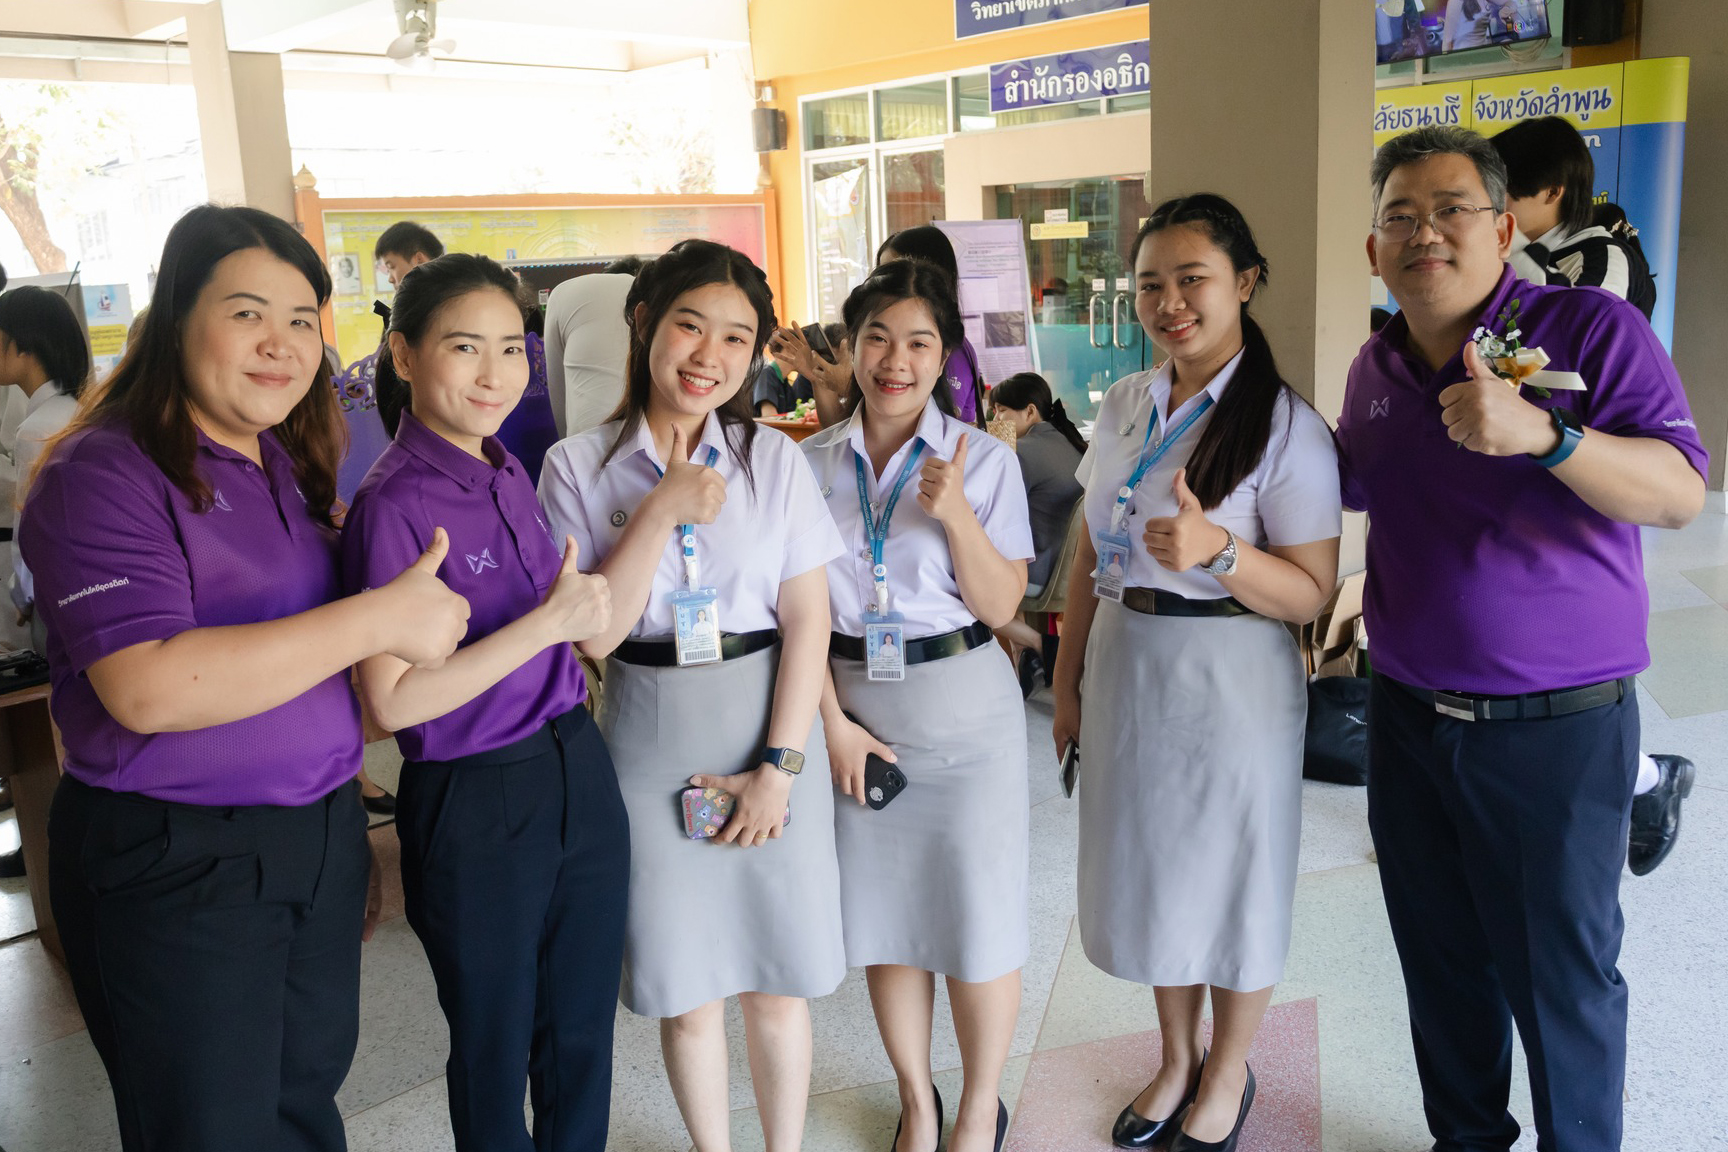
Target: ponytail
(1028, 389)
(1058, 419)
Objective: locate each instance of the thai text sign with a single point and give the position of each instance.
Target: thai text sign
(976, 17)
(1116, 70)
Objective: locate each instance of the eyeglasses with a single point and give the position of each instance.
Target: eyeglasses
(1448, 221)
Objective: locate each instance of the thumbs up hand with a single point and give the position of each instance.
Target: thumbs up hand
(576, 607)
(689, 493)
(425, 619)
(942, 487)
(1186, 539)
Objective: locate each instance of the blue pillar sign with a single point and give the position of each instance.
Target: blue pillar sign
(1063, 78)
(977, 17)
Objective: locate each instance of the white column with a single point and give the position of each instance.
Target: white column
(242, 118)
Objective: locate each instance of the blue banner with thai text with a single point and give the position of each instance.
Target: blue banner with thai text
(1118, 70)
(976, 17)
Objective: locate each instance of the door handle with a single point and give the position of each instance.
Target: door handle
(1116, 321)
(1092, 320)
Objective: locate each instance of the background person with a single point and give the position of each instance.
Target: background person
(685, 458)
(1187, 696)
(587, 340)
(935, 882)
(403, 246)
(1503, 740)
(207, 845)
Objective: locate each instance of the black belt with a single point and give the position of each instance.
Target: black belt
(1157, 602)
(921, 651)
(664, 653)
(1531, 706)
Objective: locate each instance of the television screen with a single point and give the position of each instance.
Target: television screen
(1407, 29)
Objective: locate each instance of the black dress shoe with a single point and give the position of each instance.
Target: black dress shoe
(1133, 1130)
(1030, 667)
(12, 864)
(1001, 1123)
(1656, 814)
(382, 804)
(1186, 1143)
(894, 1145)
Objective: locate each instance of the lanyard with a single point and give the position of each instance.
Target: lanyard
(687, 532)
(878, 532)
(1119, 514)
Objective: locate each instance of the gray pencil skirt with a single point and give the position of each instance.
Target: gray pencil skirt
(1190, 797)
(708, 921)
(938, 879)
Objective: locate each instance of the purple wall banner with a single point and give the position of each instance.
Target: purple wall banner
(1116, 70)
(977, 17)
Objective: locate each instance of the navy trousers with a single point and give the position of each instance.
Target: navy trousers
(1500, 846)
(215, 954)
(515, 873)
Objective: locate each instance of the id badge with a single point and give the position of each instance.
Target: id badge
(696, 622)
(1112, 573)
(884, 646)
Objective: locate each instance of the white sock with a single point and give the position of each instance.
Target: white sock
(1648, 774)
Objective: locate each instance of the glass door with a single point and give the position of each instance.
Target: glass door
(1082, 289)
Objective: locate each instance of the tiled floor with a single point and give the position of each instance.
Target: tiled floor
(1334, 1058)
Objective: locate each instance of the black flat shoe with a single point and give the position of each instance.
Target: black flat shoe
(895, 1143)
(1133, 1130)
(1001, 1123)
(382, 804)
(1187, 1143)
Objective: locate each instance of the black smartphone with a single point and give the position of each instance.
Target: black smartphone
(882, 782)
(818, 341)
(1070, 769)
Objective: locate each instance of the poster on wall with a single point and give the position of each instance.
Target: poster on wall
(107, 316)
(1066, 77)
(978, 17)
(995, 294)
(1632, 116)
(518, 236)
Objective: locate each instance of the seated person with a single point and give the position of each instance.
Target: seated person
(778, 389)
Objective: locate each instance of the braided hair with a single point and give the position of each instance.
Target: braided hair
(1234, 441)
(687, 266)
(1025, 389)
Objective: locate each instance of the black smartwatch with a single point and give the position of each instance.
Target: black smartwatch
(1571, 433)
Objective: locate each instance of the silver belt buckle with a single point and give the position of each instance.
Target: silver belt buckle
(1442, 706)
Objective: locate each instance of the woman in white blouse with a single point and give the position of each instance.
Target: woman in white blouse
(1215, 488)
(691, 511)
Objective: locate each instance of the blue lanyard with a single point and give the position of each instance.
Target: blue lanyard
(687, 532)
(1119, 514)
(877, 533)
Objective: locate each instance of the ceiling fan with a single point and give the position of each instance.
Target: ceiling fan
(418, 22)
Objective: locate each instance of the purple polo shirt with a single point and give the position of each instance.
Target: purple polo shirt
(1487, 574)
(501, 558)
(121, 557)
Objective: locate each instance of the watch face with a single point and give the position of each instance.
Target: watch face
(791, 761)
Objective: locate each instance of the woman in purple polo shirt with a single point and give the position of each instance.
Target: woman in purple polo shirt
(515, 850)
(207, 845)
(699, 518)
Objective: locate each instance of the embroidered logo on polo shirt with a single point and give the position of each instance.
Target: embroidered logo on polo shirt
(220, 502)
(619, 517)
(1379, 407)
(482, 561)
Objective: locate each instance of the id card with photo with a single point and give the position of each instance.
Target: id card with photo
(696, 621)
(884, 646)
(1112, 573)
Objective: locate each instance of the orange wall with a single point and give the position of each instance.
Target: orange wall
(878, 43)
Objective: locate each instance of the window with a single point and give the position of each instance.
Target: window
(911, 112)
(837, 122)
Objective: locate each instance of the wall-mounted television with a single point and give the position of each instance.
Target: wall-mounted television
(1409, 29)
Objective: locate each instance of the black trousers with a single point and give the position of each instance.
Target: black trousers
(1500, 845)
(215, 953)
(515, 873)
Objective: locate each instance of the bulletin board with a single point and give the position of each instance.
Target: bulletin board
(519, 230)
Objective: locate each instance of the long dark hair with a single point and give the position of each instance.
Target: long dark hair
(1234, 441)
(688, 265)
(147, 393)
(42, 324)
(1545, 153)
(926, 242)
(887, 286)
(1028, 389)
(426, 289)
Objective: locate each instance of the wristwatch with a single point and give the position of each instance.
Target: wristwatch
(1223, 564)
(788, 760)
(1571, 431)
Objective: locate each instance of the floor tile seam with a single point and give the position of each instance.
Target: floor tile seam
(347, 1116)
(1061, 962)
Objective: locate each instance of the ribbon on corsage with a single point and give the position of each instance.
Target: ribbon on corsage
(1520, 366)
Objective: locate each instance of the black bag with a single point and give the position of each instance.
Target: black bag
(1640, 281)
(1336, 747)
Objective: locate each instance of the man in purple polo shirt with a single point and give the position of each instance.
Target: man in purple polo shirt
(1507, 603)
